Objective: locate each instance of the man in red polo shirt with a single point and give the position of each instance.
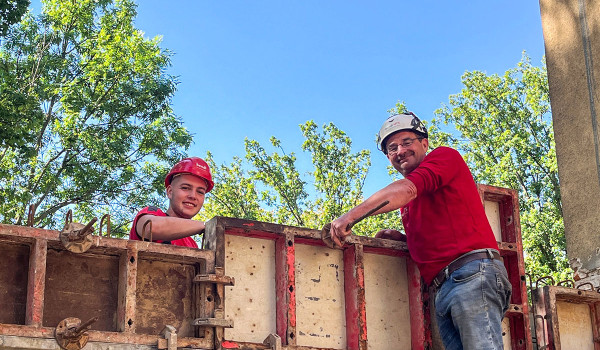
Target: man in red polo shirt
(186, 185)
(447, 233)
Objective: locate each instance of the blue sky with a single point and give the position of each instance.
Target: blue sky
(261, 68)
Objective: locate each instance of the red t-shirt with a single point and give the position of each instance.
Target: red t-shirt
(184, 242)
(447, 219)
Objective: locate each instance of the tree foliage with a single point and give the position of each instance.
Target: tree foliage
(85, 114)
(269, 187)
(11, 12)
(504, 130)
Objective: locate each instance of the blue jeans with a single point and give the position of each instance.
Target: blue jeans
(470, 305)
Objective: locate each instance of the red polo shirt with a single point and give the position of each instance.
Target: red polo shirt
(447, 219)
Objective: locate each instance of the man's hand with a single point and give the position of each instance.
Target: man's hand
(338, 230)
(391, 234)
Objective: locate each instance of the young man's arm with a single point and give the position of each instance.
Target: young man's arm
(165, 228)
(398, 193)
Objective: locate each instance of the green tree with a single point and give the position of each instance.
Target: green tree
(504, 130)
(278, 173)
(235, 193)
(95, 102)
(269, 187)
(11, 12)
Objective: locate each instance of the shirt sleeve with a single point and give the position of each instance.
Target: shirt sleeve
(146, 211)
(438, 168)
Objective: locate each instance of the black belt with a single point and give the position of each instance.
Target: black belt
(462, 260)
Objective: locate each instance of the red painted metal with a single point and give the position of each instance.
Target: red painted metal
(420, 334)
(511, 249)
(229, 345)
(34, 313)
(354, 294)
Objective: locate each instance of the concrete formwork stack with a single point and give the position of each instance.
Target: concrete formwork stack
(253, 285)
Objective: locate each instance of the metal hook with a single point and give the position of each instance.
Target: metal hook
(570, 283)
(107, 218)
(544, 278)
(586, 283)
(149, 224)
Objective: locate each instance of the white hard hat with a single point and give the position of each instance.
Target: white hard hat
(398, 122)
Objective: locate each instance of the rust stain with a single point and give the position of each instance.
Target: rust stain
(362, 307)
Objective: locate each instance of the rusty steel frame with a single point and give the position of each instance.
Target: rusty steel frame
(41, 240)
(546, 319)
(286, 238)
(511, 249)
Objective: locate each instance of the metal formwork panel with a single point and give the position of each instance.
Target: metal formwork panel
(502, 209)
(136, 290)
(322, 294)
(567, 318)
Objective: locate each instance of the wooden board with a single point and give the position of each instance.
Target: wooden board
(575, 326)
(164, 296)
(506, 333)
(14, 259)
(492, 211)
(386, 294)
(251, 302)
(82, 286)
(321, 318)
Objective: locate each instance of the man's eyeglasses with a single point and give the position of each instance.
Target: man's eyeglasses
(405, 144)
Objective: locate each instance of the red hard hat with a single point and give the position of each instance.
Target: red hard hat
(193, 165)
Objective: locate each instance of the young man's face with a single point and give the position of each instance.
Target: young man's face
(406, 151)
(186, 195)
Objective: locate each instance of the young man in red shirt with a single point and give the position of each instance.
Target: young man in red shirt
(447, 233)
(186, 185)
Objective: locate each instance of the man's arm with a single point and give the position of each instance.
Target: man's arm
(398, 193)
(165, 228)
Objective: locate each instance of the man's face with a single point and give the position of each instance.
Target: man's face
(406, 151)
(186, 196)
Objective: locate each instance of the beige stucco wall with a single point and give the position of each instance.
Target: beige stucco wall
(572, 40)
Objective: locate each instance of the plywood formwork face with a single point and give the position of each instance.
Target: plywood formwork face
(492, 211)
(387, 299)
(575, 326)
(251, 303)
(320, 302)
(506, 336)
(567, 318)
(165, 296)
(14, 259)
(93, 293)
